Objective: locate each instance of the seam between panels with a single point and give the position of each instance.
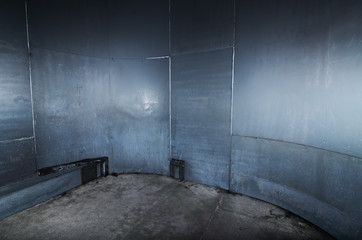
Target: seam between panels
(170, 104)
(169, 80)
(295, 143)
(31, 82)
(232, 92)
(201, 51)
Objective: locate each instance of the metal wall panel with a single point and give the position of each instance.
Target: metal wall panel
(72, 90)
(138, 28)
(25, 198)
(16, 125)
(297, 74)
(15, 108)
(297, 80)
(319, 185)
(17, 160)
(201, 93)
(201, 25)
(79, 27)
(72, 107)
(140, 115)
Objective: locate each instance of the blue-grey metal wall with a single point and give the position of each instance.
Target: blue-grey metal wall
(100, 84)
(266, 96)
(201, 75)
(95, 90)
(289, 70)
(16, 123)
(297, 109)
(140, 115)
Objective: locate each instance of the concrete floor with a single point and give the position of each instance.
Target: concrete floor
(142, 206)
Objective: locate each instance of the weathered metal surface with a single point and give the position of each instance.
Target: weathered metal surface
(17, 160)
(140, 115)
(297, 79)
(177, 164)
(89, 173)
(24, 198)
(319, 185)
(15, 100)
(79, 27)
(16, 130)
(138, 28)
(72, 107)
(201, 25)
(101, 162)
(124, 29)
(73, 93)
(297, 74)
(201, 92)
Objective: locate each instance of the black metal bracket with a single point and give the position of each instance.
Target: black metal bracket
(180, 164)
(103, 161)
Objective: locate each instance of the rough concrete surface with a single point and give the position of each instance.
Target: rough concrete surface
(141, 206)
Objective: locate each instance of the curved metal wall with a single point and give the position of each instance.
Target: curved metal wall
(266, 95)
(296, 100)
(16, 120)
(297, 129)
(96, 92)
